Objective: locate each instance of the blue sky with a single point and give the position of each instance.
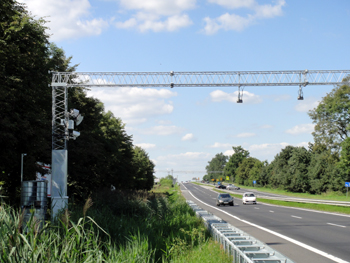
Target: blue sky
(183, 128)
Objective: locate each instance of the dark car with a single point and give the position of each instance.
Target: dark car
(221, 186)
(224, 199)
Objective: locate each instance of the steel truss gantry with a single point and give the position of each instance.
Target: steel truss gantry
(189, 172)
(61, 81)
(240, 79)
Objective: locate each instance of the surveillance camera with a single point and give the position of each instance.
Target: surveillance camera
(74, 135)
(74, 113)
(79, 119)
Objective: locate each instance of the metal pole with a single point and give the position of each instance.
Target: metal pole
(23, 154)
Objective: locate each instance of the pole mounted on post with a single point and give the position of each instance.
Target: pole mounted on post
(22, 155)
(62, 131)
(59, 157)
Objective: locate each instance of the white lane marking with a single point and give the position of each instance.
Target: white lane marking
(335, 225)
(303, 245)
(256, 208)
(297, 217)
(271, 211)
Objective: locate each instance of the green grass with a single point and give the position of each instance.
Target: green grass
(207, 253)
(113, 226)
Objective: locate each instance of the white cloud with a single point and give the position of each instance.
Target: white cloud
(302, 128)
(146, 145)
(135, 105)
(220, 145)
(229, 152)
(245, 135)
(163, 122)
(163, 130)
(236, 22)
(159, 7)
(188, 137)
(219, 95)
(267, 151)
(172, 23)
(234, 4)
(187, 160)
(157, 15)
(67, 18)
(307, 104)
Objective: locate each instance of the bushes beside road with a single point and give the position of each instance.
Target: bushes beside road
(114, 226)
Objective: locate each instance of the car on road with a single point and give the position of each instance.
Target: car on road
(224, 199)
(221, 186)
(232, 187)
(249, 198)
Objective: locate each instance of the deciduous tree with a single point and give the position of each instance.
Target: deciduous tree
(235, 160)
(332, 118)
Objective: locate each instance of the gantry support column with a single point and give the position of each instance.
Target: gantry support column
(60, 135)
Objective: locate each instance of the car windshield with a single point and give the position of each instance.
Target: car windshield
(249, 195)
(225, 196)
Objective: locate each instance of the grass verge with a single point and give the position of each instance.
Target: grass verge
(120, 226)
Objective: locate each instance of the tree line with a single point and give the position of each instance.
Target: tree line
(102, 156)
(324, 166)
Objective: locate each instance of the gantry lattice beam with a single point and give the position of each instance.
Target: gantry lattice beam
(63, 80)
(200, 79)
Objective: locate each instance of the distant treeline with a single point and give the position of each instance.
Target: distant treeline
(324, 166)
(104, 154)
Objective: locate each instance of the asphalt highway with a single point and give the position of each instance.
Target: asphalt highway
(300, 234)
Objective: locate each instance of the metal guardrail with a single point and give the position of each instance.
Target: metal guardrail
(243, 247)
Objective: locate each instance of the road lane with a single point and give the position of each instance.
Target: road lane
(306, 226)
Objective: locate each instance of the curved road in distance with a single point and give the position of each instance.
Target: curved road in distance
(303, 235)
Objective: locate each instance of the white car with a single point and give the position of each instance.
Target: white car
(249, 198)
(232, 187)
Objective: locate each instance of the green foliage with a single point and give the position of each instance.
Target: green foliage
(103, 156)
(144, 178)
(332, 118)
(344, 162)
(165, 220)
(322, 171)
(25, 99)
(248, 171)
(234, 161)
(216, 164)
(297, 172)
(68, 241)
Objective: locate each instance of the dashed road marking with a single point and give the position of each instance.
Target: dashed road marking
(335, 225)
